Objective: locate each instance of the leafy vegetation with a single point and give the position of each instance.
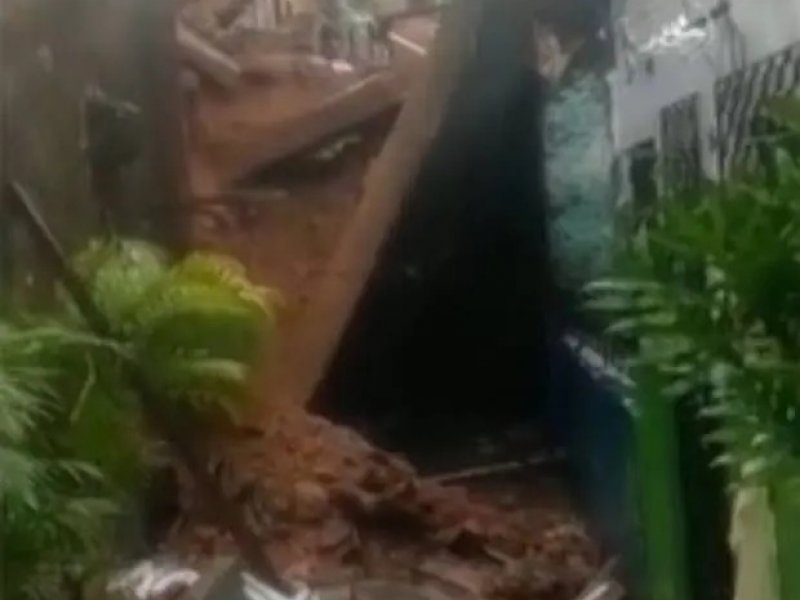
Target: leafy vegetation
(196, 327)
(55, 509)
(705, 306)
(73, 448)
(708, 299)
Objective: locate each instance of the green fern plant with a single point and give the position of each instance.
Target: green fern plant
(196, 327)
(708, 299)
(73, 448)
(705, 306)
(55, 511)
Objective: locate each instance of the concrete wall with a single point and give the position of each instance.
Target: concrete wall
(764, 27)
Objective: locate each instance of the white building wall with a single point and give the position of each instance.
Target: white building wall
(765, 27)
(768, 25)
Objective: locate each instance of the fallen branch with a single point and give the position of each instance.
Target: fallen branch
(603, 586)
(498, 468)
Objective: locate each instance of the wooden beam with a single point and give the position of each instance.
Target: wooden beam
(305, 356)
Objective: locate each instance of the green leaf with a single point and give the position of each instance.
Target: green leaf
(785, 109)
(621, 285)
(642, 323)
(633, 303)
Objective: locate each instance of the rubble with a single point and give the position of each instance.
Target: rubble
(340, 509)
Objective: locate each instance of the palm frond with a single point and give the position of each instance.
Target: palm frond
(20, 473)
(55, 506)
(711, 286)
(225, 273)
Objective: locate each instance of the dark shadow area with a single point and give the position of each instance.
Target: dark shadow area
(448, 345)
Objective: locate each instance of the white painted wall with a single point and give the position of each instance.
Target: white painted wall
(766, 26)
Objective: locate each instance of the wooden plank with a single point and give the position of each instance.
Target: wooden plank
(343, 111)
(305, 356)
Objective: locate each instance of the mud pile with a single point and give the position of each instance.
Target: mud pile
(331, 508)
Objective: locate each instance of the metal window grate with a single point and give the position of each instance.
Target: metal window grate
(680, 144)
(738, 99)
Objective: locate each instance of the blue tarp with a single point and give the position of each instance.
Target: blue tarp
(586, 414)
